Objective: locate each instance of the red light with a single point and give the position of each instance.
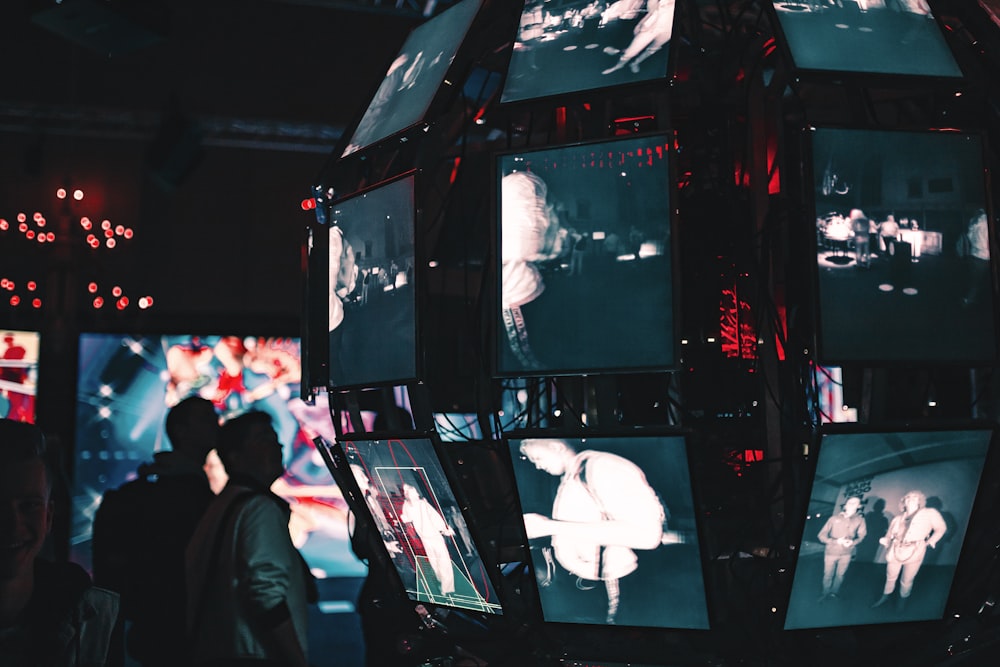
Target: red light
(32, 285)
(21, 217)
(122, 303)
(110, 243)
(86, 223)
(308, 204)
(78, 195)
(94, 243)
(15, 300)
(23, 227)
(41, 221)
(98, 302)
(120, 230)
(36, 302)
(128, 233)
(3, 283)
(116, 291)
(92, 288)
(4, 225)
(37, 216)
(105, 225)
(30, 234)
(108, 233)
(61, 193)
(52, 236)
(144, 302)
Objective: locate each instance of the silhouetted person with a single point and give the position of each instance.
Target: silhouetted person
(248, 587)
(142, 528)
(50, 613)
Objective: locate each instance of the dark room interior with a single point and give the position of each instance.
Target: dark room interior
(177, 185)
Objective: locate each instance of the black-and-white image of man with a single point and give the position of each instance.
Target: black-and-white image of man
(906, 500)
(841, 535)
(604, 547)
(618, 313)
(917, 284)
(575, 46)
(372, 301)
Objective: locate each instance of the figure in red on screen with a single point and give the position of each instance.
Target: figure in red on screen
(841, 534)
(651, 33)
(247, 585)
(431, 528)
(14, 381)
(917, 528)
(604, 509)
(142, 528)
(50, 613)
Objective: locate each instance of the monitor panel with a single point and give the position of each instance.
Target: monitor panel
(588, 46)
(585, 276)
(125, 386)
(902, 247)
(414, 78)
(612, 530)
(868, 37)
(885, 525)
(372, 294)
(409, 496)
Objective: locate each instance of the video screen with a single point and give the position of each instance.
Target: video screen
(373, 326)
(127, 384)
(579, 46)
(886, 520)
(409, 498)
(612, 530)
(414, 77)
(902, 247)
(18, 374)
(866, 36)
(586, 275)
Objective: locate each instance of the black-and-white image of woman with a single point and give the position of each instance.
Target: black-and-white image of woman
(911, 533)
(432, 530)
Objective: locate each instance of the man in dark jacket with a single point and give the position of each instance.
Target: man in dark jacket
(142, 528)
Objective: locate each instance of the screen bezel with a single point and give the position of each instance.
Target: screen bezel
(685, 435)
(418, 274)
(808, 225)
(879, 79)
(340, 456)
(598, 90)
(444, 90)
(496, 349)
(971, 521)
